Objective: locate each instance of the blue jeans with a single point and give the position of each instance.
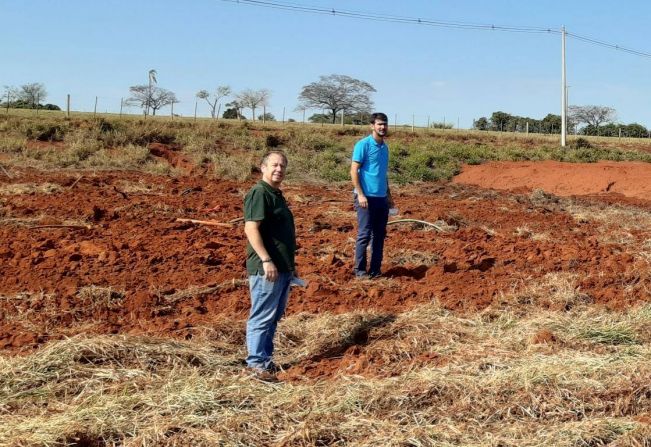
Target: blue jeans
(371, 227)
(268, 303)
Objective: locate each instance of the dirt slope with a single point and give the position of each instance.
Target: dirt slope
(630, 179)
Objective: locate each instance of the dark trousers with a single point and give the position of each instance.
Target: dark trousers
(371, 228)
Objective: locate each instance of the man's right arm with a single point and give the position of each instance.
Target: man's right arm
(354, 175)
(359, 155)
(252, 231)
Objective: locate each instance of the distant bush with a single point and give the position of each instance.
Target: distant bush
(46, 132)
(441, 125)
(580, 143)
(28, 105)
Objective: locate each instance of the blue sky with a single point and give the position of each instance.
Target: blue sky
(90, 49)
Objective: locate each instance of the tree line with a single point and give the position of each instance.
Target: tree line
(337, 97)
(581, 120)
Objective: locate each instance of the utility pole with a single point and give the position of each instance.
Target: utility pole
(563, 91)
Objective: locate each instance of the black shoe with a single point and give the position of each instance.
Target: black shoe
(273, 368)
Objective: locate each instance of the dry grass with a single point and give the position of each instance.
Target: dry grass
(139, 187)
(233, 167)
(43, 220)
(557, 291)
(525, 232)
(38, 311)
(404, 256)
(625, 218)
(197, 291)
(29, 188)
(495, 387)
(627, 228)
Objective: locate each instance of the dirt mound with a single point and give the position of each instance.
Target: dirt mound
(117, 260)
(172, 155)
(630, 179)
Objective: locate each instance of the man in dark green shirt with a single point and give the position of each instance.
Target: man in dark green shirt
(269, 228)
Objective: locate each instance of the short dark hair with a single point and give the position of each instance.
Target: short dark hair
(379, 116)
(266, 156)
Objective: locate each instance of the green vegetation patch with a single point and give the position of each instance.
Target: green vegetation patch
(317, 152)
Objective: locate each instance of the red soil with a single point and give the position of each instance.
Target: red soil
(136, 247)
(630, 179)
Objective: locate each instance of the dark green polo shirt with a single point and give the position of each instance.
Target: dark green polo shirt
(267, 205)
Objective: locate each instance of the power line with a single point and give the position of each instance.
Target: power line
(390, 18)
(609, 45)
(295, 7)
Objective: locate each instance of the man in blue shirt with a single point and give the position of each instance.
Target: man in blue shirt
(371, 195)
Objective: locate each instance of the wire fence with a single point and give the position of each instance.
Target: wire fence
(121, 107)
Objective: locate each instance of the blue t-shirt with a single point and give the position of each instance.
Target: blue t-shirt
(374, 160)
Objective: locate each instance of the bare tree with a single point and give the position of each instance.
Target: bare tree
(592, 115)
(253, 99)
(32, 93)
(221, 92)
(151, 96)
(337, 92)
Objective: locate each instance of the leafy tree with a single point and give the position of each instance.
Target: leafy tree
(482, 123)
(337, 92)
(592, 116)
(221, 92)
(253, 99)
(613, 130)
(267, 117)
(321, 118)
(500, 120)
(552, 123)
(234, 110)
(349, 118)
(636, 130)
(151, 96)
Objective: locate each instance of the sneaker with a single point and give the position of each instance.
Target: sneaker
(375, 275)
(263, 375)
(361, 275)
